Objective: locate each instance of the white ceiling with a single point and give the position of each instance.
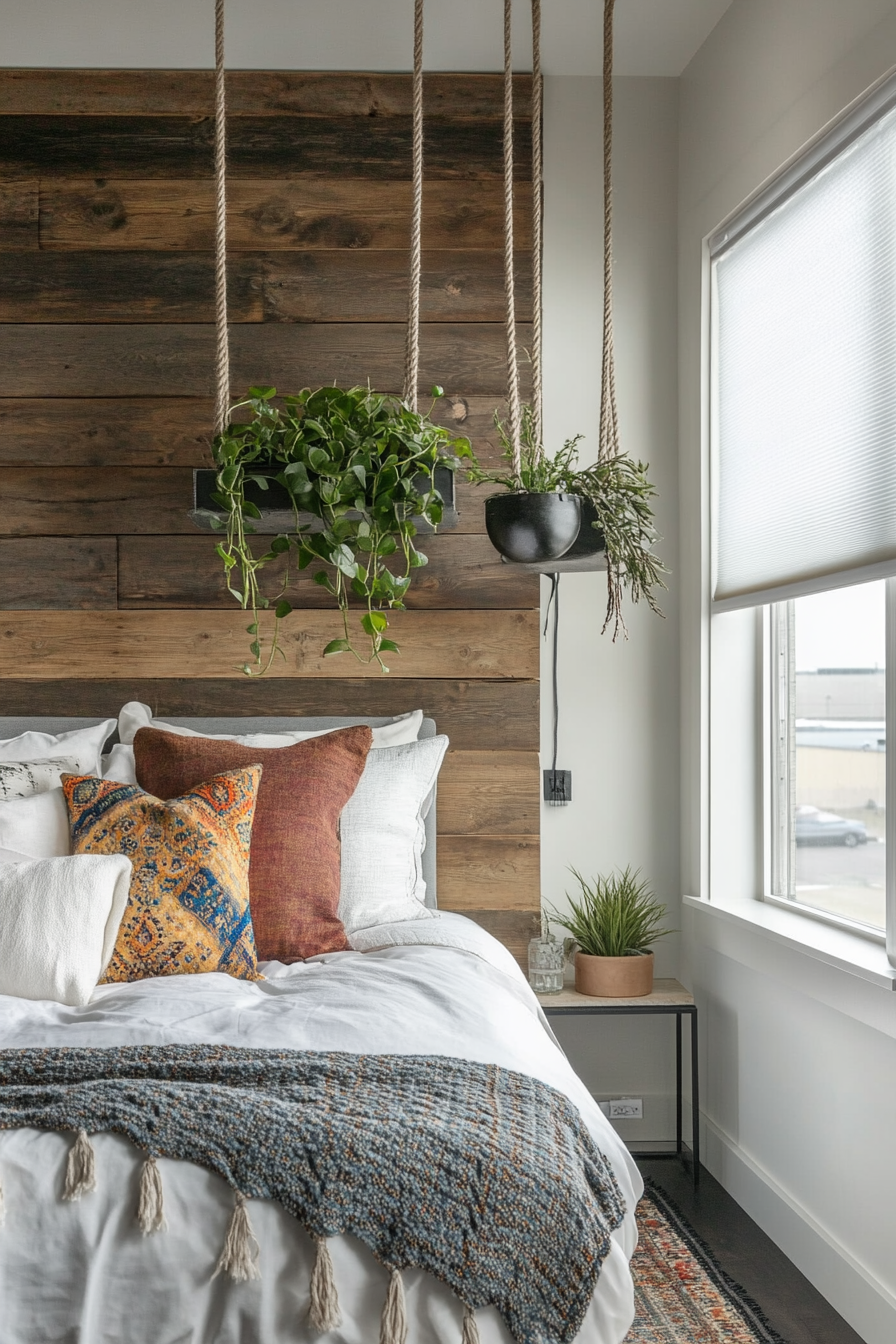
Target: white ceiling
(653, 37)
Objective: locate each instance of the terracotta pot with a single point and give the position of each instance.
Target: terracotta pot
(614, 977)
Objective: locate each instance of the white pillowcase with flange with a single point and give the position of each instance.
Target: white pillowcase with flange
(383, 835)
(21, 779)
(134, 715)
(59, 920)
(36, 826)
(82, 745)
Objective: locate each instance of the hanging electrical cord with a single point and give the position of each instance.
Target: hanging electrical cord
(513, 376)
(222, 346)
(557, 783)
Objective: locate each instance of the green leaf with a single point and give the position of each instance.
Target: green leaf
(319, 458)
(322, 578)
(262, 393)
(283, 608)
(235, 592)
(229, 560)
(389, 646)
(374, 622)
(252, 629)
(279, 545)
(228, 477)
(251, 510)
(337, 646)
(255, 648)
(438, 391)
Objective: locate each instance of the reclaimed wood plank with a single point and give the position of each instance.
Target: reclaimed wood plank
(489, 793)
(169, 359)
(81, 501)
(464, 573)
(90, 644)
(478, 715)
(96, 287)
(513, 928)
(139, 287)
(19, 215)
(105, 432)
(169, 431)
(254, 93)
(40, 573)
(77, 501)
(316, 213)
(487, 872)
(276, 145)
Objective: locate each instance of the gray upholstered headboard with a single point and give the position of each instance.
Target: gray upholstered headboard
(11, 727)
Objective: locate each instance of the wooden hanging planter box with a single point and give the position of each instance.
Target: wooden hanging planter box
(275, 504)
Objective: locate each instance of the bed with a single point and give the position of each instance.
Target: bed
(437, 987)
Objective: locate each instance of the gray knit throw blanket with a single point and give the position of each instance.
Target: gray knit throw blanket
(483, 1177)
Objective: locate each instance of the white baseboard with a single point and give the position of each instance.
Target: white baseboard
(867, 1304)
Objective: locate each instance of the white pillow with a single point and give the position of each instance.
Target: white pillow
(134, 715)
(59, 920)
(36, 826)
(21, 779)
(120, 765)
(82, 745)
(10, 856)
(383, 835)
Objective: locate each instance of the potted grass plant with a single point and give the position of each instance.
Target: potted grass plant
(613, 923)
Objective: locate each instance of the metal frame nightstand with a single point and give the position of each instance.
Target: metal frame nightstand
(668, 998)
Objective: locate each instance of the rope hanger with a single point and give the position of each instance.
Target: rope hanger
(609, 424)
(222, 347)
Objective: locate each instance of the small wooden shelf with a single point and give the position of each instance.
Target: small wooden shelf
(666, 994)
(583, 564)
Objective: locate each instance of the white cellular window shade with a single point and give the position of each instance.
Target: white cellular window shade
(804, 384)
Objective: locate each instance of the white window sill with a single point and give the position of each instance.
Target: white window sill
(808, 938)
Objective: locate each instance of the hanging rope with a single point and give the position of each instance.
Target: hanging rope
(609, 422)
(513, 377)
(222, 351)
(537, 227)
(412, 344)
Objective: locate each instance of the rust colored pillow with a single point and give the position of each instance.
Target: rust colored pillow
(294, 870)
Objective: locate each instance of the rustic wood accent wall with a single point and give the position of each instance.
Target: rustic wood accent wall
(107, 592)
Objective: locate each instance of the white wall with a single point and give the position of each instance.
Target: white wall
(800, 1078)
(618, 703)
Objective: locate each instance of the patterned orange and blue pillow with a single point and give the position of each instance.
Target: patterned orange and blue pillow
(188, 907)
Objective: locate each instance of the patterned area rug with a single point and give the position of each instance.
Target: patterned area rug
(681, 1294)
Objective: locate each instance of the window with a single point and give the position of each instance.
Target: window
(827, 754)
(803, 477)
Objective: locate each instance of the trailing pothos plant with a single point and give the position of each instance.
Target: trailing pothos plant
(362, 465)
(620, 491)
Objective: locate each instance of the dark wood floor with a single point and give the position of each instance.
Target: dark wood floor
(796, 1310)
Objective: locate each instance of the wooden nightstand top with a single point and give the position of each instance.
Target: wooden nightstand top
(666, 994)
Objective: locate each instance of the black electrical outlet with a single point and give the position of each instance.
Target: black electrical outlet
(557, 787)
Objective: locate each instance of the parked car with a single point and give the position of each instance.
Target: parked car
(815, 827)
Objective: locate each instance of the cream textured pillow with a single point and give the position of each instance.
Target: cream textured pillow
(83, 745)
(21, 779)
(134, 715)
(59, 920)
(383, 836)
(36, 826)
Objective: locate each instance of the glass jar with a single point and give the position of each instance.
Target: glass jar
(546, 962)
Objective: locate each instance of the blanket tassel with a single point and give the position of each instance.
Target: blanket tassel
(471, 1329)
(324, 1313)
(80, 1174)
(151, 1206)
(239, 1257)
(394, 1322)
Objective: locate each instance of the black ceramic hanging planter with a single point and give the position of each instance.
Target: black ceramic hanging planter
(531, 528)
(590, 540)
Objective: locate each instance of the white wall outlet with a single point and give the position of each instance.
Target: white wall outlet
(626, 1108)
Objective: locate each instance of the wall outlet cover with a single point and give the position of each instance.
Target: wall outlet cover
(626, 1108)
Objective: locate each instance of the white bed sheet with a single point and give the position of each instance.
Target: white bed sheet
(81, 1272)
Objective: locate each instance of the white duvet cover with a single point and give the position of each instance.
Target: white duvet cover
(81, 1273)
